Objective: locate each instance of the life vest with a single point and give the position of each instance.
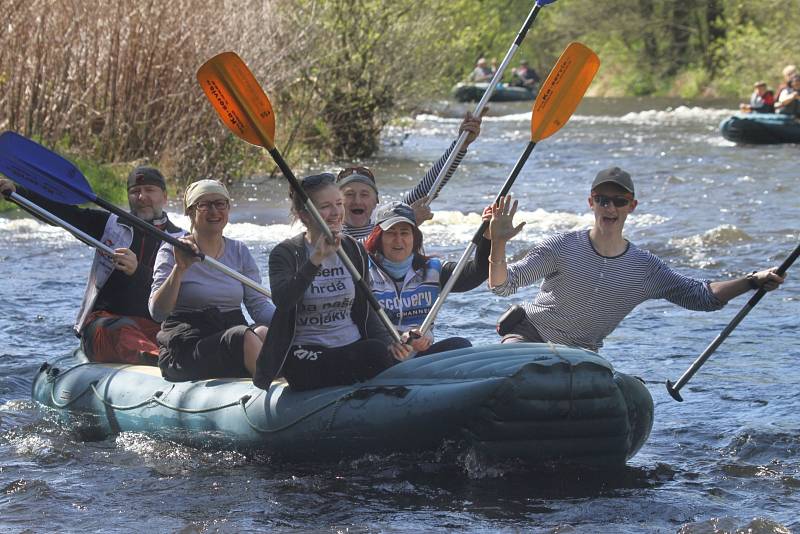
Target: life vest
(407, 303)
(116, 234)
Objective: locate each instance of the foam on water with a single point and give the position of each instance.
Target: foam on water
(680, 114)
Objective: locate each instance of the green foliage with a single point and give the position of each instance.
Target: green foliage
(115, 81)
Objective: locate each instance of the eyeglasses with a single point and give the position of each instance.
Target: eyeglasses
(349, 171)
(603, 201)
(317, 179)
(219, 205)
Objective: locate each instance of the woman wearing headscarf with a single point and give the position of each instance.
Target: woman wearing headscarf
(204, 333)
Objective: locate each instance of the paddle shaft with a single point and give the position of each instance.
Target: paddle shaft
(476, 239)
(674, 389)
(437, 184)
(312, 209)
(175, 242)
(45, 215)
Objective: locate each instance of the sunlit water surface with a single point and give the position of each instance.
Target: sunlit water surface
(725, 459)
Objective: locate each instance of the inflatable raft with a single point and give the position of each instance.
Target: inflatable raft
(761, 128)
(473, 92)
(539, 403)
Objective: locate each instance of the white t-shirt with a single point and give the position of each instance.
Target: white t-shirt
(323, 316)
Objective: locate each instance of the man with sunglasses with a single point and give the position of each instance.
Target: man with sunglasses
(361, 192)
(113, 323)
(594, 278)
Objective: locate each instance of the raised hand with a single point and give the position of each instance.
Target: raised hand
(422, 212)
(501, 227)
(471, 125)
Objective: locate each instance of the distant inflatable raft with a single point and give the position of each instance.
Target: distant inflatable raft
(473, 92)
(535, 402)
(761, 128)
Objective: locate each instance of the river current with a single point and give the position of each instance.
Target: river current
(725, 460)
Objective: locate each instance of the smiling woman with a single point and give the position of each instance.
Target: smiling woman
(407, 282)
(204, 333)
(324, 332)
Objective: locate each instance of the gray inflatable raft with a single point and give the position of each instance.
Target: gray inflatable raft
(539, 403)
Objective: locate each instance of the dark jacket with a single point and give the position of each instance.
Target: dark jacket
(290, 275)
(121, 294)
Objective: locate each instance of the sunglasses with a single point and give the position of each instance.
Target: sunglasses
(349, 171)
(603, 201)
(219, 205)
(318, 179)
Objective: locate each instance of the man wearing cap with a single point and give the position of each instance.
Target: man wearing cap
(761, 101)
(594, 278)
(114, 323)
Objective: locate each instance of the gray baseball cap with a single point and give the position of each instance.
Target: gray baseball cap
(356, 177)
(394, 213)
(614, 175)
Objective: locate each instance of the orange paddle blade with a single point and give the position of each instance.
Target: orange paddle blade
(562, 91)
(238, 98)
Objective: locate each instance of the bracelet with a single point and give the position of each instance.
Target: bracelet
(752, 280)
(498, 261)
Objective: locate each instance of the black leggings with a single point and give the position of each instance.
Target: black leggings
(316, 366)
(220, 355)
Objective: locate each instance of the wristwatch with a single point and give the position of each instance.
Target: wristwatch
(752, 280)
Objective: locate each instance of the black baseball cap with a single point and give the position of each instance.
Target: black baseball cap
(614, 175)
(146, 176)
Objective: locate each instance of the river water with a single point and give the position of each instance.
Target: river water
(727, 458)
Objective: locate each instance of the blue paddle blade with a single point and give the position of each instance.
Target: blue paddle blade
(42, 171)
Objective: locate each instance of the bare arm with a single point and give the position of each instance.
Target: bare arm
(730, 289)
(164, 297)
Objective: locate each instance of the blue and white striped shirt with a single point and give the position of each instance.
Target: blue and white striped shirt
(585, 296)
(421, 190)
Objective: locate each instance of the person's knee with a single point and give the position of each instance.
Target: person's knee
(261, 332)
(253, 339)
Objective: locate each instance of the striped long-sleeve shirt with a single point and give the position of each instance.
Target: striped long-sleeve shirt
(584, 295)
(420, 190)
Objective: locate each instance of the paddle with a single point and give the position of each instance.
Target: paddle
(559, 96)
(45, 172)
(45, 215)
(437, 184)
(674, 389)
(245, 109)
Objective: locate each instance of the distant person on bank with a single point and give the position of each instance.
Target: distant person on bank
(761, 101)
(360, 190)
(204, 333)
(594, 278)
(114, 324)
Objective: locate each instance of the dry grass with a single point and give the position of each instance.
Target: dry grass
(115, 79)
